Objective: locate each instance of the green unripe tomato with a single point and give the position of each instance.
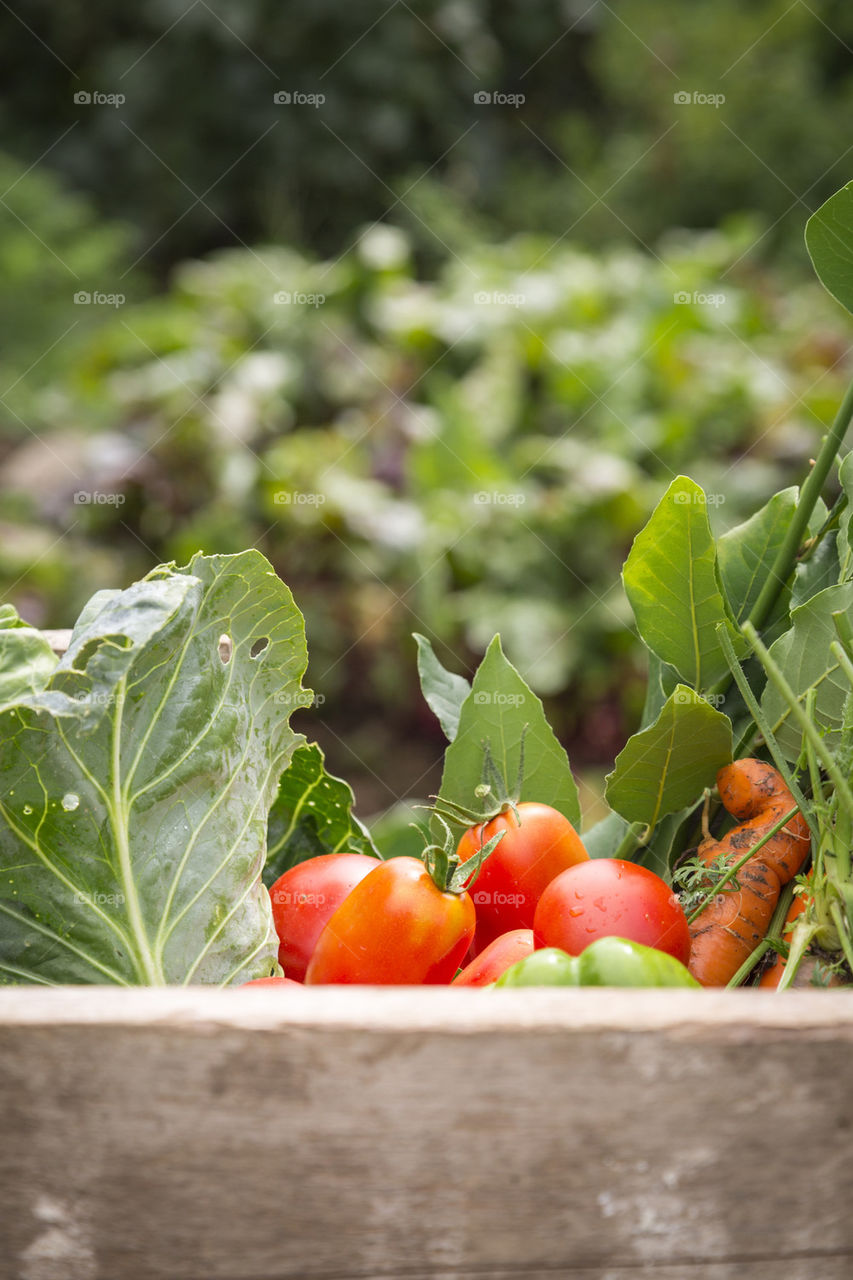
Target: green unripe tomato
(548, 967)
(616, 962)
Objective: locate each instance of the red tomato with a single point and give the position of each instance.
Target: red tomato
(524, 862)
(272, 982)
(395, 928)
(607, 897)
(306, 897)
(496, 958)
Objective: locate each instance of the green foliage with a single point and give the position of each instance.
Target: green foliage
(137, 778)
(503, 716)
(311, 815)
(53, 249)
(671, 581)
(444, 690)
(663, 768)
(746, 553)
(412, 459)
(803, 655)
(26, 658)
(599, 143)
(829, 245)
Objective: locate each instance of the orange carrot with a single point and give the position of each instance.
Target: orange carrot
(729, 929)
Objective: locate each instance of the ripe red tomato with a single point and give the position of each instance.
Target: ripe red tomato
(528, 857)
(306, 897)
(496, 958)
(396, 927)
(607, 897)
(271, 982)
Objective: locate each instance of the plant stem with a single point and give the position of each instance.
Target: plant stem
(843, 934)
(630, 840)
(811, 491)
(774, 674)
(801, 940)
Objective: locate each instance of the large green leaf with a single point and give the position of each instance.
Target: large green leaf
(804, 657)
(26, 659)
(501, 711)
(135, 786)
(311, 815)
(671, 581)
(664, 768)
(443, 690)
(829, 240)
(745, 554)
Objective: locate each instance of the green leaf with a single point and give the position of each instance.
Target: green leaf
(664, 768)
(660, 683)
(603, 839)
(443, 690)
(392, 832)
(821, 570)
(311, 815)
(745, 554)
(501, 710)
(135, 786)
(829, 240)
(804, 658)
(26, 659)
(670, 579)
(666, 843)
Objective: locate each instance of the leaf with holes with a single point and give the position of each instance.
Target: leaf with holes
(136, 782)
(312, 815)
(26, 659)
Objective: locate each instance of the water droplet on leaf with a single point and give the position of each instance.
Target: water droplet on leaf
(70, 801)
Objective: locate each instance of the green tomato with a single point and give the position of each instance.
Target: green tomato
(548, 967)
(616, 962)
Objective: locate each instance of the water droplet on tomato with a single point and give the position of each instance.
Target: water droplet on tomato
(574, 912)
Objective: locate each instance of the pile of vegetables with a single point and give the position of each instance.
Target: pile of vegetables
(161, 822)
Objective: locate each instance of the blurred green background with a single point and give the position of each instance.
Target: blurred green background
(433, 330)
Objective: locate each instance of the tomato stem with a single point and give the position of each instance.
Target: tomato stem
(442, 861)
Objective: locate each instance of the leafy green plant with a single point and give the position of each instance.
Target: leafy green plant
(412, 459)
(137, 774)
(700, 606)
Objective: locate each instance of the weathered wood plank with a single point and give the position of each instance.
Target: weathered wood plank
(331, 1133)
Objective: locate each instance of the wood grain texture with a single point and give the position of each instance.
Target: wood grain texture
(338, 1134)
